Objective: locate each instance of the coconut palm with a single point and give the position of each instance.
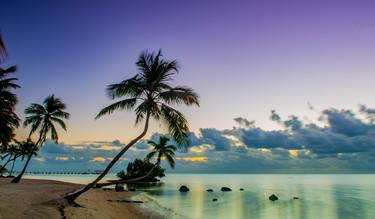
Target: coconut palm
(44, 117)
(11, 152)
(150, 95)
(21, 150)
(162, 151)
(8, 100)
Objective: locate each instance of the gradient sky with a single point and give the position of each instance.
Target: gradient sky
(244, 58)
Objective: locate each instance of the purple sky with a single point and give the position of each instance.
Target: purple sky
(244, 58)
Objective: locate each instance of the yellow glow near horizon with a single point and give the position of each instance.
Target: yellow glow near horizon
(197, 150)
(63, 158)
(293, 153)
(193, 159)
(108, 148)
(41, 159)
(98, 159)
(264, 150)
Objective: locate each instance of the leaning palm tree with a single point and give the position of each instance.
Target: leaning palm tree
(44, 117)
(162, 151)
(150, 95)
(10, 152)
(21, 150)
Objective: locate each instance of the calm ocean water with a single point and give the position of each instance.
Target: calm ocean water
(321, 196)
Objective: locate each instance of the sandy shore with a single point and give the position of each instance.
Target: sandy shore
(42, 199)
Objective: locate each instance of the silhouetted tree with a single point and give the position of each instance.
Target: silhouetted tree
(141, 168)
(162, 150)
(44, 117)
(150, 95)
(8, 100)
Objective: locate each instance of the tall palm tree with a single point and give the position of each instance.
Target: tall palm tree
(150, 95)
(8, 100)
(44, 117)
(162, 150)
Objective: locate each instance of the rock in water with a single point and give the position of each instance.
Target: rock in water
(184, 189)
(209, 190)
(273, 197)
(295, 197)
(241, 189)
(226, 189)
(214, 200)
(119, 188)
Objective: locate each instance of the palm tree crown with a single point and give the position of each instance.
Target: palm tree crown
(45, 116)
(151, 95)
(8, 100)
(162, 150)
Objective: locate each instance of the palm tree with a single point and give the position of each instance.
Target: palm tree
(8, 100)
(44, 117)
(150, 95)
(11, 152)
(162, 150)
(22, 149)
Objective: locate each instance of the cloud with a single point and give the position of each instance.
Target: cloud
(339, 140)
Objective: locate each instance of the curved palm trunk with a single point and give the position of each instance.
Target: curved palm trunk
(73, 196)
(18, 178)
(14, 161)
(6, 163)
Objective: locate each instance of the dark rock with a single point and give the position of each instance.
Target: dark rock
(184, 188)
(132, 189)
(119, 188)
(295, 197)
(214, 200)
(273, 197)
(226, 189)
(209, 190)
(241, 189)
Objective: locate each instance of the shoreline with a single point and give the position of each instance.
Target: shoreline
(35, 198)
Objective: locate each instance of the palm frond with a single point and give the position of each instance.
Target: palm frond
(170, 160)
(59, 121)
(177, 125)
(5, 72)
(150, 155)
(132, 88)
(180, 95)
(126, 104)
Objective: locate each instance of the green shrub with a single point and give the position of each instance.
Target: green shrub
(139, 168)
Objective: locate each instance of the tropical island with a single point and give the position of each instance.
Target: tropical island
(187, 109)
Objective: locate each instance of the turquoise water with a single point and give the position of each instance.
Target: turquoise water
(321, 196)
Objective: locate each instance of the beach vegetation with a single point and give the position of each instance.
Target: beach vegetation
(140, 168)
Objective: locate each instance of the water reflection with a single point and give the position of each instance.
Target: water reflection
(320, 196)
